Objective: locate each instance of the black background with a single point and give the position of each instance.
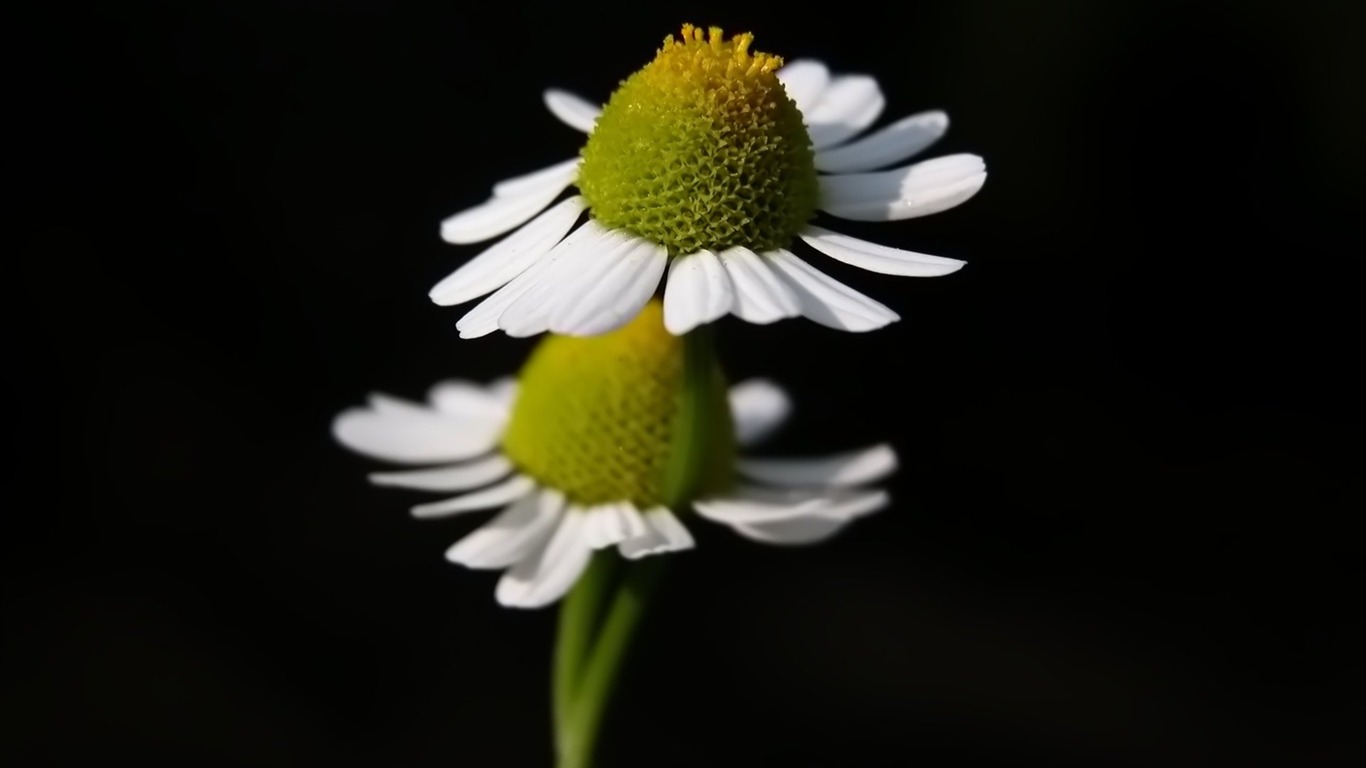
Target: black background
(1122, 534)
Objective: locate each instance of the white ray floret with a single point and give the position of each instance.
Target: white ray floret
(899, 141)
(805, 80)
(508, 258)
(877, 258)
(701, 289)
(514, 201)
(926, 187)
(846, 106)
(543, 541)
(761, 296)
(573, 110)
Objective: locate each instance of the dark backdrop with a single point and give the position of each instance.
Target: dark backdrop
(1121, 534)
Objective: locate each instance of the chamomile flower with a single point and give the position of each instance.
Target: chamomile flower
(576, 454)
(708, 164)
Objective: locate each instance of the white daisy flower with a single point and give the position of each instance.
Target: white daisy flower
(574, 452)
(708, 164)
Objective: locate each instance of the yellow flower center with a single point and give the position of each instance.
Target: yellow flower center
(596, 417)
(702, 148)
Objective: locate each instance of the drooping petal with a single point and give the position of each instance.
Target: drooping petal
(610, 524)
(504, 390)
(664, 533)
(632, 523)
(817, 526)
(891, 144)
(412, 434)
(793, 532)
(760, 296)
(697, 292)
(848, 104)
(536, 180)
(512, 535)
(804, 80)
(509, 257)
(506, 492)
(927, 187)
(460, 477)
(755, 505)
(828, 301)
(514, 201)
(463, 399)
(615, 299)
(842, 470)
(390, 405)
(757, 408)
(877, 258)
(745, 507)
(544, 577)
(579, 260)
(485, 317)
(598, 525)
(572, 110)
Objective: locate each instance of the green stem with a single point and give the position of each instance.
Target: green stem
(604, 663)
(588, 657)
(688, 440)
(579, 617)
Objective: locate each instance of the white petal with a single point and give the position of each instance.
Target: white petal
(697, 292)
(591, 308)
(757, 407)
(804, 80)
(610, 524)
(927, 187)
(515, 533)
(602, 526)
(741, 508)
(851, 505)
(892, 144)
(842, 503)
(390, 405)
(828, 301)
(513, 203)
(667, 525)
(842, 470)
(632, 524)
(760, 296)
(486, 315)
(754, 505)
(506, 492)
(412, 434)
(839, 502)
(544, 178)
(877, 258)
(509, 257)
(799, 530)
(466, 400)
(664, 533)
(458, 478)
(574, 111)
(537, 581)
(588, 253)
(504, 390)
(848, 105)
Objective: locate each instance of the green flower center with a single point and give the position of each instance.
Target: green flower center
(596, 417)
(702, 148)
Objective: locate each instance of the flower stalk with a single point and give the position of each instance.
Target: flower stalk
(593, 638)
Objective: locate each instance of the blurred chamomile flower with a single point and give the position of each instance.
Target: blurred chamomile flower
(709, 163)
(577, 453)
